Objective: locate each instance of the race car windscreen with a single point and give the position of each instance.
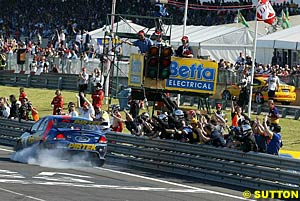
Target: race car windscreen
(79, 124)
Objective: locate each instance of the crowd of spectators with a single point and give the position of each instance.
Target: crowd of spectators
(31, 18)
(190, 126)
(243, 64)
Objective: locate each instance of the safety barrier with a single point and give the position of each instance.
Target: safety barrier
(47, 80)
(249, 170)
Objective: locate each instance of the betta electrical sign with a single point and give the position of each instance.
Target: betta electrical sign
(192, 75)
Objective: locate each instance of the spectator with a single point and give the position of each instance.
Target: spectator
(98, 96)
(72, 110)
(236, 112)
(4, 109)
(117, 123)
(31, 113)
(83, 84)
(211, 136)
(14, 107)
(57, 103)
(260, 135)
(101, 115)
(273, 113)
(142, 43)
(86, 110)
(22, 95)
(97, 78)
(240, 59)
(244, 93)
(184, 50)
(273, 85)
(275, 142)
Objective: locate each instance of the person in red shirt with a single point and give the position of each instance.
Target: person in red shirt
(22, 95)
(98, 96)
(57, 102)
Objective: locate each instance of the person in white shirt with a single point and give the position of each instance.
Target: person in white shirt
(273, 85)
(4, 109)
(87, 110)
(97, 77)
(72, 110)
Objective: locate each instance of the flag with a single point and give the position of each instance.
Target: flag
(242, 20)
(285, 20)
(265, 12)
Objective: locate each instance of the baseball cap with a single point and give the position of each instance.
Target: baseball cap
(219, 105)
(141, 32)
(185, 38)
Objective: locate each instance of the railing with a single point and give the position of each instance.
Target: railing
(73, 66)
(223, 165)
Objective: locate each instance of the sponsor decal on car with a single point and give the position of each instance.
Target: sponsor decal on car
(80, 146)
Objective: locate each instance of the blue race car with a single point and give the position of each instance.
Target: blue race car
(70, 135)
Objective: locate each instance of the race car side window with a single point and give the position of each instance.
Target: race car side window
(43, 125)
(35, 126)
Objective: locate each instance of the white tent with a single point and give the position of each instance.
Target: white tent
(288, 39)
(125, 26)
(216, 41)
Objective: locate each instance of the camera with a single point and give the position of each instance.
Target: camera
(233, 98)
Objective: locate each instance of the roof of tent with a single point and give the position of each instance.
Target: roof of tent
(284, 39)
(123, 26)
(209, 35)
(204, 35)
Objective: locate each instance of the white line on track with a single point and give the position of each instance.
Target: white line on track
(16, 193)
(162, 181)
(173, 183)
(7, 150)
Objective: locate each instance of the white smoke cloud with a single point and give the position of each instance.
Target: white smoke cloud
(52, 158)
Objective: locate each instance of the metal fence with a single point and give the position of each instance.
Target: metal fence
(68, 66)
(223, 165)
(73, 66)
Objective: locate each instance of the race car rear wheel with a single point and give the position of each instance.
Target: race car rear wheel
(98, 162)
(18, 146)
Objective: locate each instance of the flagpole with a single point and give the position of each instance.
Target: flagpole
(253, 65)
(183, 33)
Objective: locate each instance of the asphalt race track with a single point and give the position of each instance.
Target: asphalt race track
(67, 181)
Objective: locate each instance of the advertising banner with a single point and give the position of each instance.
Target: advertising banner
(192, 75)
(135, 75)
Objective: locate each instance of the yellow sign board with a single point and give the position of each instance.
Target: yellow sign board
(186, 75)
(192, 75)
(135, 75)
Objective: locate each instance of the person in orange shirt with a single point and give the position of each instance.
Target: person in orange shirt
(236, 112)
(31, 113)
(22, 95)
(57, 102)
